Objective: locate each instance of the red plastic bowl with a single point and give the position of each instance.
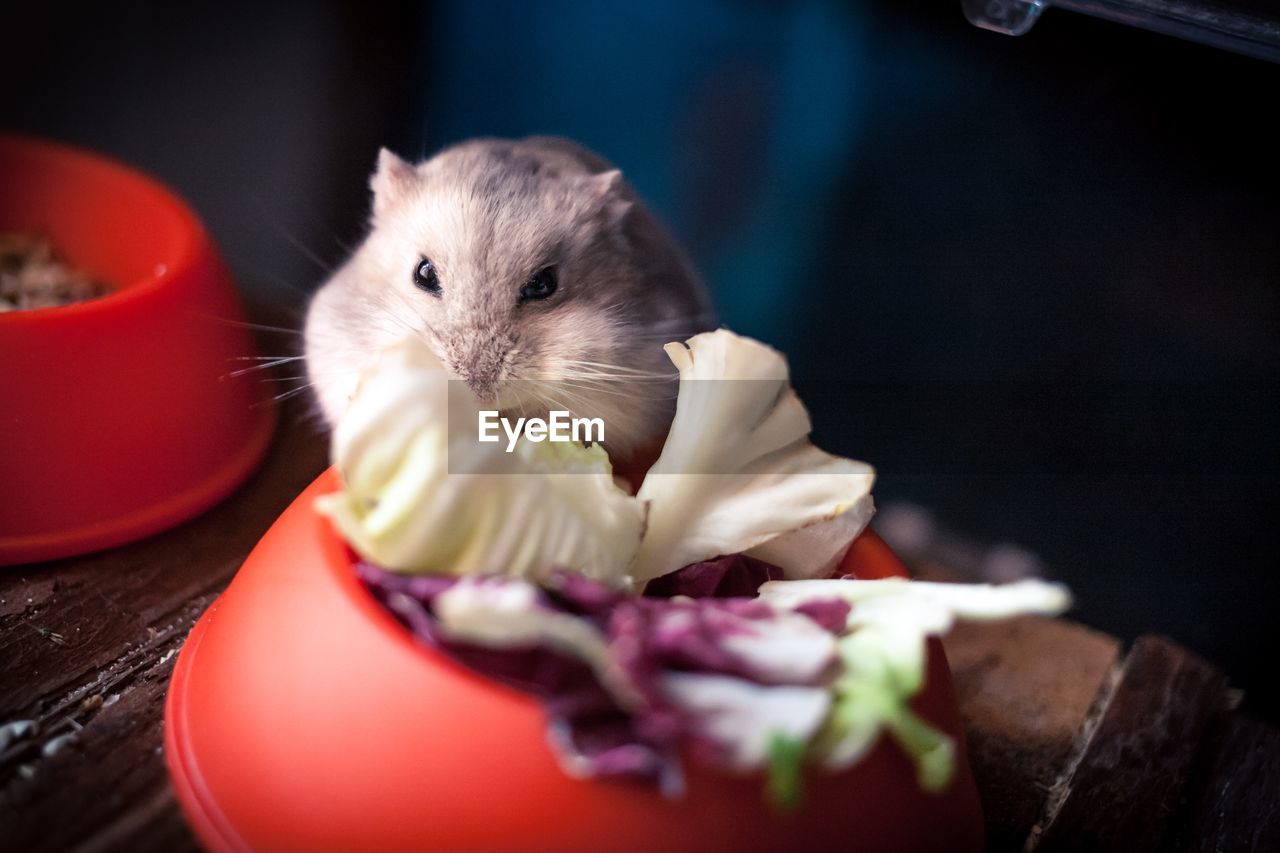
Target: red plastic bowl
(117, 417)
(301, 715)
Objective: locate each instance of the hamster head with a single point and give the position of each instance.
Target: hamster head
(533, 278)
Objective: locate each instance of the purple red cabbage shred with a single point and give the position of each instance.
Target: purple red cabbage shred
(589, 728)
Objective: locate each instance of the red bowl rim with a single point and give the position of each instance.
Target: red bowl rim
(195, 238)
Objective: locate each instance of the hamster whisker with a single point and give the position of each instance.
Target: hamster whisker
(575, 402)
(563, 392)
(545, 401)
(292, 392)
(629, 392)
(609, 364)
(601, 368)
(616, 370)
(616, 379)
(264, 365)
(603, 380)
(302, 248)
(559, 373)
(255, 326)
(637, 391)
(570, 388)
(276, 281)
(262, 357)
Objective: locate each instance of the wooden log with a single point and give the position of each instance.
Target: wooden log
(1235, 804)
(1133, 759)
(1024, 688)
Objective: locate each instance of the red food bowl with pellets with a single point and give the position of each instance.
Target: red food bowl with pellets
(119, 414)
(303, 716)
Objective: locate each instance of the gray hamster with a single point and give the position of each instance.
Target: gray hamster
(535, 274)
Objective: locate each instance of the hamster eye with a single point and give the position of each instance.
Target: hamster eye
(425, 278)
(542, 285)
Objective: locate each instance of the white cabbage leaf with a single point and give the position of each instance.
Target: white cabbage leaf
(744, 718)
(738, 472)
(415, 498)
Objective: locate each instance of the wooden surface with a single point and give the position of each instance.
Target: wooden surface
(1076, 742)
(1025, 688)
(86, 650)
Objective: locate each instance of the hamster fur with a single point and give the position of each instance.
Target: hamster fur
(491, 216)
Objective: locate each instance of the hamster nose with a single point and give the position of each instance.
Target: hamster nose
(480, 377)
(482, 387)
(479, 381)
(479, 362)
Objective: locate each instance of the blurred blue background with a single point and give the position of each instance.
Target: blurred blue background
(1036, 281)
(731, 118)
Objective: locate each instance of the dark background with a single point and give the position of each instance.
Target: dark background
(1036, 281)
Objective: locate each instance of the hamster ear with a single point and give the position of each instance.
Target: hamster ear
(606, 185)
(609, 190)
(392, 178)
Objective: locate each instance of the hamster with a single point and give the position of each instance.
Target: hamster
(532, 271)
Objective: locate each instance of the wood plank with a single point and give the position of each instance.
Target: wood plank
(1236, 803)
(1133, 761)
(106, 777)
(86, 648)
(1024, 688)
